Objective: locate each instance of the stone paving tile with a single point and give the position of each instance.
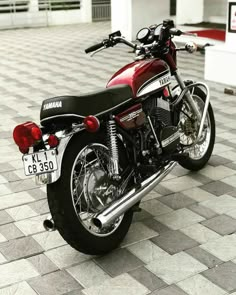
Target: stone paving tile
(118, 262)
(224, 225)
(148, 279)
(203, 211)
(31, 225)
(141, 216)
(216, 160)
(155, 225)
(174, 242)
(18, 289)
(56, 283)
(171, 290)
(221, 204)
(217, 188)
(16, 199)
(198, 285)
(172, 269)
(37, 194)
(20, 248)
(49, 240)
(137, 232)
(204, 257)
(65, 256)
(232, 213)
(155, 207)
(12, 272)
(179, 218)
(88, 274)
(10, 176)
(200, 233)
(198, 195)
(217, 173)
(42, 264)
(10, 231)
(147, 251)
(2, 238)
(40, 207)
(224, 275)
(123, 284)
(176, 201)
(223, 248)
(180, 183)
(4, 217)
(21, 212)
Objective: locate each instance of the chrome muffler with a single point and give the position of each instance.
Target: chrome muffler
(49, 224)
(118, 207)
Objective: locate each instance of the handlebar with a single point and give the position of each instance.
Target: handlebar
(167, 31)
(94, 47)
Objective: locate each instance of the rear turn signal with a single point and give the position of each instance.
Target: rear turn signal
(53, 141)
(91, 124)
(26, 135)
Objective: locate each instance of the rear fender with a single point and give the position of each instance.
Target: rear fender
(48, 178)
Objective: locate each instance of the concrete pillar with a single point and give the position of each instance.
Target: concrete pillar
(129, 16)
(189, 12)
(86, 11)
(220, 61)
(33, 6)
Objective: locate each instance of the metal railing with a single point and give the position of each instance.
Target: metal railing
(53, 5)
(10, 6)
(101, 12)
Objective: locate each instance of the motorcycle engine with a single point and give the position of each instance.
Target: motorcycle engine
(159, 111)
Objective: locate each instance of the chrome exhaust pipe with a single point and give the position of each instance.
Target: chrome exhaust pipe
(118, 207)
(49, 224)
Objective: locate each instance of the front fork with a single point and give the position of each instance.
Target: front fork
(186, 93)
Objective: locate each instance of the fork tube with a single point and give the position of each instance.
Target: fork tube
(188, 96)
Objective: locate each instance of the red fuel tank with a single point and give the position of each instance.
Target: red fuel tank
(144, 76)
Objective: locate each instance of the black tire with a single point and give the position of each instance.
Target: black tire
(63, 211)
(198, 164)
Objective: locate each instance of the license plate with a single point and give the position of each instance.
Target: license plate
(39, 163)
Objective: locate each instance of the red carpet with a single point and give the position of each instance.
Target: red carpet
(211, 34)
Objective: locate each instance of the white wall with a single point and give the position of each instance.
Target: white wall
(129, 16)
(149, 12)
(216, 8)
(190, 11)
(121, 17)
(42, 18)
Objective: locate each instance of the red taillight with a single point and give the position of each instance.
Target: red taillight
(26, 135)
(166, 92)
(91, 123)
(53, 141)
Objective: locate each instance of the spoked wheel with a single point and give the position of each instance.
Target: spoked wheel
(84, 189)
(92, 188)
(201, 150)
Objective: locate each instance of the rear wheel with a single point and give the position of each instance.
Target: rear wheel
(200, 151)
(83, 190)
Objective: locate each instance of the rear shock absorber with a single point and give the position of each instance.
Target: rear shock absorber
(113, 149)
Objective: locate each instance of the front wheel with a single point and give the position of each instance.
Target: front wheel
(83, 190)
(199, 152)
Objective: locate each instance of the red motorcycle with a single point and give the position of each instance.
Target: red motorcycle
(99, 154)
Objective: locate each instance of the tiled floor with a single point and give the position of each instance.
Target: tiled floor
(183, 241)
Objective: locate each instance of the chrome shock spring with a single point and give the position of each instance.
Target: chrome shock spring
(113, 149)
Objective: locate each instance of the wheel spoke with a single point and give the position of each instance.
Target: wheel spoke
(90, 189)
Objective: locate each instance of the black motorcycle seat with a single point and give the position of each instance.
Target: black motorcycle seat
(96, 103)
